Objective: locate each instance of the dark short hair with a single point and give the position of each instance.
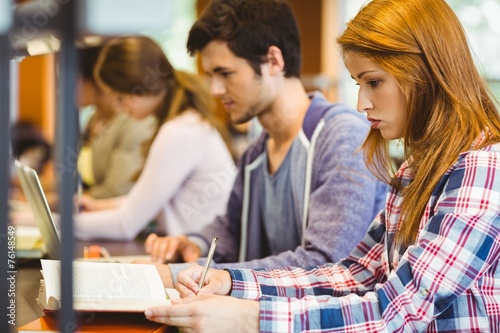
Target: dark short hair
(25, 135)
(87, 59)
(250, 27)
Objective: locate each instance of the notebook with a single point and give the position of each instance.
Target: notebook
(44, 219)
(29, 243)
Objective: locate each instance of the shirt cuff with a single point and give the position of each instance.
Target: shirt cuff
(245, 284)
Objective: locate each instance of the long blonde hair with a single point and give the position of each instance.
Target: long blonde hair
(422, 43)
(137, 65)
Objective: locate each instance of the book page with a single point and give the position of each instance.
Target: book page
(117, 259)
(106, 283)
(46, 302)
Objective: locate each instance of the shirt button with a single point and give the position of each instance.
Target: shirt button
(424, 292)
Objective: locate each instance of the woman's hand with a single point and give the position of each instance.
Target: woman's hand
(208, 313)
(88, 203)
(216, 282)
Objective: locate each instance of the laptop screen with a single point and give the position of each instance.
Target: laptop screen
(32, 189)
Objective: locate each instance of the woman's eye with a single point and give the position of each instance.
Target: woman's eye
(373, 83)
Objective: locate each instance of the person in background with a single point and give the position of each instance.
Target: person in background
(430, 261)
(111, 146)
(303, 195)
(188, 171)
(29, 146)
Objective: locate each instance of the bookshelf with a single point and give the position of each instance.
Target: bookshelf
(36, 27)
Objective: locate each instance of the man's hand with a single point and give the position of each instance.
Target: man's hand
(171, 249)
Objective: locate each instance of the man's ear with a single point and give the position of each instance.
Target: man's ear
(275, 60)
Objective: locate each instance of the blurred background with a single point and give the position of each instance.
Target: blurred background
(34, 92)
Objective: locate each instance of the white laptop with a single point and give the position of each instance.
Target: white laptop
(38, 203)
(44, 219)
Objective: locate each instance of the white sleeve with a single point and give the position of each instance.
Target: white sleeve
(174, 154)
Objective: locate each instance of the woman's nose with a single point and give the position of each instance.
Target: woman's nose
(364, 103)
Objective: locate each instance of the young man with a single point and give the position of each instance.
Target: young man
(302, 195)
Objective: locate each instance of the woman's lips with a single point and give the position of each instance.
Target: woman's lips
(374, 122)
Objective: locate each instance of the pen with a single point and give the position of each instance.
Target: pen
(207, 264)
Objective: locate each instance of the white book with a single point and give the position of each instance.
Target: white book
(106, 287)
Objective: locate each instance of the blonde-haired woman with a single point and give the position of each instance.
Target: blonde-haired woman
(188, 171)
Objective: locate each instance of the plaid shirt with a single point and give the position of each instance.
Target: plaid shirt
(448, 281)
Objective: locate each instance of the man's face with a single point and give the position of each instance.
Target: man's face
(242, 91)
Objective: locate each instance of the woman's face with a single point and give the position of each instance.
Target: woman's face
(136, 106)
(379, 96)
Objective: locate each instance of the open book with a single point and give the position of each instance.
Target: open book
(106, 287)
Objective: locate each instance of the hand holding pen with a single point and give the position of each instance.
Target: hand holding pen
(218, 282)
(211, 281)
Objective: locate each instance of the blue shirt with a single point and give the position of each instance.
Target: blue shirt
(277, 207)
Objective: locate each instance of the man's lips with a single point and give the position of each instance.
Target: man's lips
(227, 104)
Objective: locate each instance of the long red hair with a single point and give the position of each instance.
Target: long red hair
(423, 44)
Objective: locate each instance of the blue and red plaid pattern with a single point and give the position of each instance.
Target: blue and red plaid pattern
(448, 281)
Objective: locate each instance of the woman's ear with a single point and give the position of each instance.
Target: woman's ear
(275, 60)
